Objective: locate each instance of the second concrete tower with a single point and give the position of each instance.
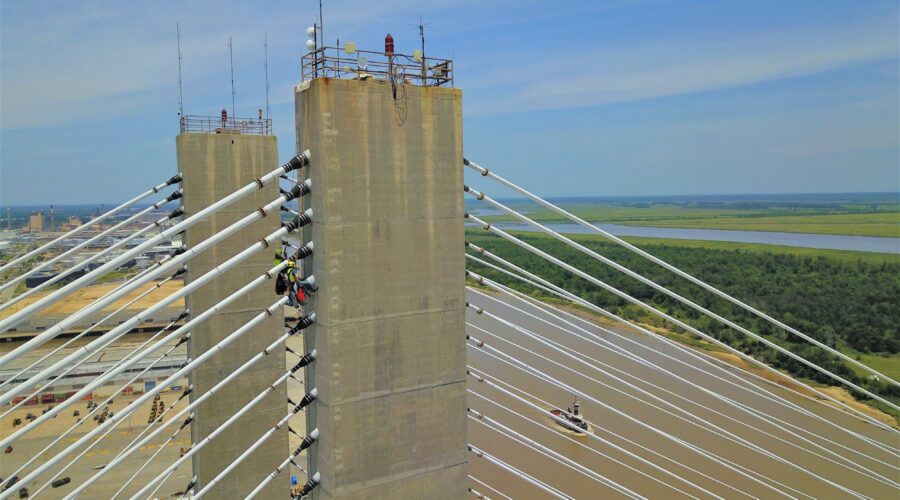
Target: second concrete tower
(214, 163)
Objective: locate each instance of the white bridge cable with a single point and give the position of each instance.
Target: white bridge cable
(73, 366)
(657, 312)
(691, 418)
(177, 261)
(67, 368)
(91, 328)
(304, 444)
(163, 482)
(670, 293)
(520, 438)
(97, 408)
(481, 378)
(128, 410)
(101, 342)
(159, 418)
(233, 375)
(546, 204)
(586, 447)
(152, 457)
(272, 475)
(174, 196)
(761, 416)
(155, 189)
(518, 473)
(307, 441)
(489, 487)
(718, 432)
(729, 464)
(705, 359)
(178, 212)
(295, 163)
(515, 362)
(605, 344)
(311, 396)
(477, 494)
(100, 439)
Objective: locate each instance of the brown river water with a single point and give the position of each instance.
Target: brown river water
(794, 482)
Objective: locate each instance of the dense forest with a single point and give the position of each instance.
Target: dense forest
(842, 304)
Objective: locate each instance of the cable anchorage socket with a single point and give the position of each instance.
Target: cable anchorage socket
(304, 251)
(305, 360)
(307, 399)
(299, 161)
(303, 323)
(307, 441)
(303, 218)
(309, 486)
(175, 195)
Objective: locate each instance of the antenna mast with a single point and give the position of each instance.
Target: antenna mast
(266, 47)
(422, 35)
(321, 22)
(180, 90)
(422, 40)
(231, 56)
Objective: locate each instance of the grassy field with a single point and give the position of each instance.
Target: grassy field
(881, 220)
(888, 365)
(621, 214)
(843, 255)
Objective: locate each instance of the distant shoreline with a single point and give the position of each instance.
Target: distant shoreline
(886, 196)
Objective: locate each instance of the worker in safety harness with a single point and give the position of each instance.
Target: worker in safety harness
(289, 281)
(281, 284)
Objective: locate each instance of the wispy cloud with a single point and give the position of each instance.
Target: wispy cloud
(555, 79)
(94, 59)
(72, 72)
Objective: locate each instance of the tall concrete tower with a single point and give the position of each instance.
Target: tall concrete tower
(390, 321)
(215, 159)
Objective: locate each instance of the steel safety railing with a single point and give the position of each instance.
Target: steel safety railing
(335, 62)
(227, 124)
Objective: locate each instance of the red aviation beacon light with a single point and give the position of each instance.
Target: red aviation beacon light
(389, 44)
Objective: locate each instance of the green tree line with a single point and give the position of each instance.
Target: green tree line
(842, 304)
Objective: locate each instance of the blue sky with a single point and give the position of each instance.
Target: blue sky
(621, 97)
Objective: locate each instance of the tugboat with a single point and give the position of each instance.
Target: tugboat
(573, 416)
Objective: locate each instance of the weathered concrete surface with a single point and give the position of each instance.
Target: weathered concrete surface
(390, 332)
(214, 165)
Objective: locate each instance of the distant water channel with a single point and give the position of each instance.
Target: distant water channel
(824, 241)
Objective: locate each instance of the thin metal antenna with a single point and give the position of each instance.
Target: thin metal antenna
(231, 55)
(180, 90)
(266, 46)
(421, 27)
(321, 23)
(422, 35)
(422, 38)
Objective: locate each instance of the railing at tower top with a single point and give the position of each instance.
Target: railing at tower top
(226, 125)
(335, 62)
